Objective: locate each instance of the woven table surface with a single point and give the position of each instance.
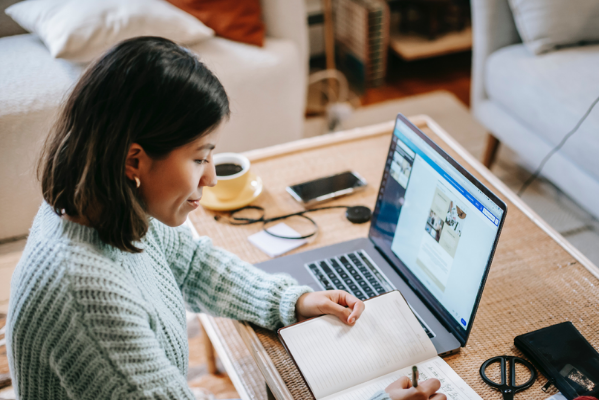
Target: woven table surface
(533, 282)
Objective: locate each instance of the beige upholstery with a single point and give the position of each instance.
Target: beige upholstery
(266, 87)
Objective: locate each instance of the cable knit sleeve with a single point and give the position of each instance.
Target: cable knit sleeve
(216, 281)
(380, 395)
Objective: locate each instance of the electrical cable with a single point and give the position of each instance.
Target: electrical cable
(536, 174)
(343, 94)
(234, 220)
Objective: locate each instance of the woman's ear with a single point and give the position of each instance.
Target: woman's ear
(134, 163)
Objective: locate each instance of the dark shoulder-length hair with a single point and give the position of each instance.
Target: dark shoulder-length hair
(146, 90)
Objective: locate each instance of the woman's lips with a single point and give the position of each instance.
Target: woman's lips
(194, 203)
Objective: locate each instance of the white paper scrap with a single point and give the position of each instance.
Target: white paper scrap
(557, 396)
(274, 246)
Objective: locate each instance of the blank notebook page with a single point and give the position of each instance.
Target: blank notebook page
(333, 356)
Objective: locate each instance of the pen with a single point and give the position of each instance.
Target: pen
(415, 376)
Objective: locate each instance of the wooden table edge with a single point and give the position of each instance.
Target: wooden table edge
(225, 357)
(267, 367)
(319, 141)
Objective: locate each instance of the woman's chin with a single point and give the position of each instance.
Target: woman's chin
(177, 217)
(175, 220)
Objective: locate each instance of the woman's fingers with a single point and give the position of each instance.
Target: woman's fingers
(438, 396)
(337, 310)
(343, 305)
(356, 306)
(402, 383)
(429, 386)
(402, 389)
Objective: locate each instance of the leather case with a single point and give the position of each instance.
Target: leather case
(565, 357)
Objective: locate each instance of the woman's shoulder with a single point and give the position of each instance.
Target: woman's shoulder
(64, 258)
(63, 286)
(62, 271)
(59, 250)
(55, 240)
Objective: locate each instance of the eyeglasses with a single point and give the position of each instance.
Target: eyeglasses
(241, 217)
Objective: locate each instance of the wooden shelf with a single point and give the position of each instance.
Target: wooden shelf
(413, 47)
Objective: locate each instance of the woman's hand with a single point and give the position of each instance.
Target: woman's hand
(335, 302)
(402, 389)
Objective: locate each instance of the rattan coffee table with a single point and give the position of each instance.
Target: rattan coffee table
(537, 278)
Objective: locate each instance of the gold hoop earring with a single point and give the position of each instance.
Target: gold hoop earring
(137, 182)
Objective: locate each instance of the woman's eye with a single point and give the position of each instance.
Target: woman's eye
(201, 162)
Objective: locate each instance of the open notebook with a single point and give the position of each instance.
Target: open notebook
(339, 362)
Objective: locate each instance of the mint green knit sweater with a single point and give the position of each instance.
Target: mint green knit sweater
(87, 321)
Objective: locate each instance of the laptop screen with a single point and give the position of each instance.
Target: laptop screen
(437, 223)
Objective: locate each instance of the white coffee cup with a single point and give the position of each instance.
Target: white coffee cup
(230, 186)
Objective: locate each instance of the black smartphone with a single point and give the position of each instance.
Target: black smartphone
(327, 188)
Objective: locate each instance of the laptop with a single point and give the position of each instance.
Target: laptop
(432, 236)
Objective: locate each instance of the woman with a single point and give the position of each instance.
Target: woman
(97, 300)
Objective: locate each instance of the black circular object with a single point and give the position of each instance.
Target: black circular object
(358, 214)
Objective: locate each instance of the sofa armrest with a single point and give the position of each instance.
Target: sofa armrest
(287, 19)
(493, 27)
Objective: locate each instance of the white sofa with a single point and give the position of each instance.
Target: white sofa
(266, 87)
(529, 102)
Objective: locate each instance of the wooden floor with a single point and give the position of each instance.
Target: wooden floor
(404, 79)
(218, 384)
(450, 72)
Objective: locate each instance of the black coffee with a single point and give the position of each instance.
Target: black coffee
(227, 169)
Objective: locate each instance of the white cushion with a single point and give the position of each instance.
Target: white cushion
(549, 94)
(81, 30)
(264, 86)
(545, 25)
(266, 90)
(31, 80)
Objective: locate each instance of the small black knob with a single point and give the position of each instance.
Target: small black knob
(358, 214)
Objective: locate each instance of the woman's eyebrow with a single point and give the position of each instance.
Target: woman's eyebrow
(208, 146)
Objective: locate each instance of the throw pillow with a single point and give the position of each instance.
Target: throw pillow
(239, 20)
(81, 30)
(546, 25)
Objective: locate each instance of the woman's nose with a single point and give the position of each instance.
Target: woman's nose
(209, 176)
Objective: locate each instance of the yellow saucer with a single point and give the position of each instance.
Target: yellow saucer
(247, 195)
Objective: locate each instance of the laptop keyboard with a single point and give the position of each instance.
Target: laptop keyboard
(357, 274)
